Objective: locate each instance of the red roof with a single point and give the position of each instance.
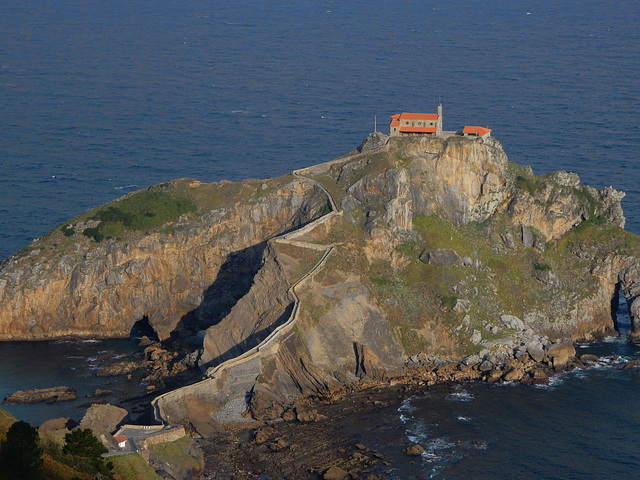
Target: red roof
(395, 122)
(120, 438)
(419, 116)
(418, 130)
(476, 130)
(396, 116)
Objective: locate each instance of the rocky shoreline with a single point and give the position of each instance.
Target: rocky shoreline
(320, 438)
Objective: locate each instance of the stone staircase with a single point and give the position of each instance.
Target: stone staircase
(229, 383)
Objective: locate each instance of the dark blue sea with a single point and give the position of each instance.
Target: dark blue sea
(99, 98)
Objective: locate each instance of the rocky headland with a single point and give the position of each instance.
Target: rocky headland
(409, 261)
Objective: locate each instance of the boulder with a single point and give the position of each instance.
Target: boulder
(509, 242)
(514, 375)
(444, 257)
(559, 353)
(103, 418)
(536, 352)
(145, 341)
(589, 357)
(461, 306)
(512, 322)
(334, 473)
(278, 445)
(527, 237)
(303, 415)
(494, 375)
(414, 450)
(628, 365)
(40, 395)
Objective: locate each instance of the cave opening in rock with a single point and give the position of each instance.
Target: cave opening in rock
(143, 328)
(620, 312)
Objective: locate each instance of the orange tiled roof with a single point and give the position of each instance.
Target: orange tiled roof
(120, 438)
(396, 116)
(476, 130)
(395, 122)
(418, 116)
(418, 130)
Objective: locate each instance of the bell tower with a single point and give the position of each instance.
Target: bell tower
(439, 121)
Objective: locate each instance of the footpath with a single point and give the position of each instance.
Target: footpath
(234, 378)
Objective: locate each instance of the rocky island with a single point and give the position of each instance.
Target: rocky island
(406, 261)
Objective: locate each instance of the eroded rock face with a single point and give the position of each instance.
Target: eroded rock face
(250, 321)
(101, 290)
(103, 418)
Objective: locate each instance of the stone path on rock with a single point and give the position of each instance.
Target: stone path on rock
(242, 371)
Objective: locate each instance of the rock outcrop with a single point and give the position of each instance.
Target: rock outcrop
(438, 253)
(71, 286)
(103, 419)
(41, 395)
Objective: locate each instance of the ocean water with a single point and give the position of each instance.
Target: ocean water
(98, 99)
(580, 426)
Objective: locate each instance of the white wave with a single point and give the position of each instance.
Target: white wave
(133, 185)
(463, 396)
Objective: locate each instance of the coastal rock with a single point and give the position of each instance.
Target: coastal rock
(119, 368)
(41, 395)
(560, 353)
(56, 425)
(340, 301)
(334, 473)
(102, 289)
(414, 450)
(629, 364)
(103, 419)
(536, 351)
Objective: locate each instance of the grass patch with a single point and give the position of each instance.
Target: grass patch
(132, 467)
(177, 452)
(144, 210)
(438, 233)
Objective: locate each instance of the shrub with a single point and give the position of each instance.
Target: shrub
(541, 266)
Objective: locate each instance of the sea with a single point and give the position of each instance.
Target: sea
(99, 98)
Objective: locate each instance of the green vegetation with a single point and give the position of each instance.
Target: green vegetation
(144, 210)
(178, 452)
(83, 443)
(20, 453)
(324, 209)
(541, 266)
(81, 453)
(132, 467)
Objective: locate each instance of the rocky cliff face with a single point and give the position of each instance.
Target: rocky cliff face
(442, 249)
(71, 286)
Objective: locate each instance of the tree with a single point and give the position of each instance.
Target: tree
(20, 454)
(83, 443)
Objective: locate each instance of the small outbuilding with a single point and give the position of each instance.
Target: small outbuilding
(476, 132)
(122, 441)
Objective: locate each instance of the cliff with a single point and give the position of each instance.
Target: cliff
(178, 253)
(405, 251)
